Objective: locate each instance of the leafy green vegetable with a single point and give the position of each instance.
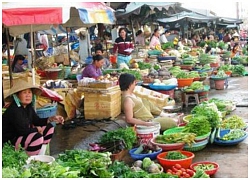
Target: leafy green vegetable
(133, 72)
(90, 164)
(210, 112)
(197, 85)
(143, 65)
(198, 125)
(174, 155)
(13, 158)
(200, 174)
(233, 122)
(238, 69)
(167, 45)
(233, 134)
(126, 134)
(8, 172)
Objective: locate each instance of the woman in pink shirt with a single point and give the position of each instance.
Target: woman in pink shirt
(155, 39)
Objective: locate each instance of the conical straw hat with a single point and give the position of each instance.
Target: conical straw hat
(21, 85)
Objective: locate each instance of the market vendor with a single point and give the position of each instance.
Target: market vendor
(94, 70)
(21, 125)
(18, 64)
(154, 40)
(123, 45)
(106, 60)
(236, 51)
(140, 111)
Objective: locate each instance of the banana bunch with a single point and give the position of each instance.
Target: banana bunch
(158, 47)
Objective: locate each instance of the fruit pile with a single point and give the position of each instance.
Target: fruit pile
(181, 172)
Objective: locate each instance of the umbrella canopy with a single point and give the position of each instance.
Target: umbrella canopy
(188, 16)
(141, 11)
(18, 16)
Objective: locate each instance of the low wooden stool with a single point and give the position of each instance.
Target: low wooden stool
(195, 95)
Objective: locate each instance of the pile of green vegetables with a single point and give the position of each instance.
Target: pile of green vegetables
(143, 65)
(128, 135)
(233, 135)
(204, 167)
(206, 59)
(226, 67)
(238, 69)
(167, 45)
(221, 74)
(195, 86)
(179, 137)
(233, 122)
(175, 155)
(210, 111)
(222, 105)
(175, 70)
(198, 125)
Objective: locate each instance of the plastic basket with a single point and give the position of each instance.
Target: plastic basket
(197, 146)
(173, 130)
(47, 111)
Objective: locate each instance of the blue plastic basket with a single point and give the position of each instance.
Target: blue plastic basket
(162, 87)
(152, 156)
(47, 111)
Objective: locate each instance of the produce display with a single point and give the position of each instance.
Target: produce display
(238, 69)
(187, 138)
(233, 135)
(233, 122)
(200, 174)
(223, 105)
(204, 167)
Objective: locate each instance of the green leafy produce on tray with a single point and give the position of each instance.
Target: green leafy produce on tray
(222, 105)
(233, 135)
(233, 122)
(200, 174)
(126, 134)
(198, 125)
(136, 73)
(204, 167)
(143, 65)
(174, 155)
(210, 111)
(187, 138)
(238, 69)
(90, 164)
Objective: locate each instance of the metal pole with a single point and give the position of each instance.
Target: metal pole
(8, 52)
(68, 46)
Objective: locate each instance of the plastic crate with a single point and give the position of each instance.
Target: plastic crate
(47, 111)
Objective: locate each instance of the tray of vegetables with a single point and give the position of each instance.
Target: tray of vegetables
(210, 168)
(233, 122)
(231, 137)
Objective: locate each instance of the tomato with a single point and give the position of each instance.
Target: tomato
(183, 169)
(169, 171)
(184, 173)
(177, 166)
(178, 173)
(174, 169)
(190, 172)
(187, 176)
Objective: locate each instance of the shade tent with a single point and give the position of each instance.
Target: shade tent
(53, 30)
(138, 8)
(24, 17)
(18, 16)
(187, 16)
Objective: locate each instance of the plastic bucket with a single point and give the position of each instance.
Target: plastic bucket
(146, 133)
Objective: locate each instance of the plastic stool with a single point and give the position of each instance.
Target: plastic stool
(191, 95)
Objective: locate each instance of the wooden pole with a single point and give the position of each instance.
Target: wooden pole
(8, 52)
(68, 46)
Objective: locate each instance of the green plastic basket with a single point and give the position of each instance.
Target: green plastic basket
(193, 149)
(196, 146)
(173, 130)
(198, 138)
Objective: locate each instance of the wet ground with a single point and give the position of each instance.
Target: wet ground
(233, 160)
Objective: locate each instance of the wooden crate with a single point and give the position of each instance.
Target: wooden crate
(99, 105)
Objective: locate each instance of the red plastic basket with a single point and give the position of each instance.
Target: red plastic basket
(209, 172)
(167, 163)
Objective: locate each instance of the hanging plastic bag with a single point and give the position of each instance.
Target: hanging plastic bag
(54, 96)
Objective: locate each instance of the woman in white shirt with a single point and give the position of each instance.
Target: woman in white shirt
(163, 37)
(139, 39)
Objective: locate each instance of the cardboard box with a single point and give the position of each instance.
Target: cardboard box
(99, 105)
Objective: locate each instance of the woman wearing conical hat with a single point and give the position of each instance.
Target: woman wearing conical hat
(21, 125)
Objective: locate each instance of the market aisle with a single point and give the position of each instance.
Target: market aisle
(233, 160)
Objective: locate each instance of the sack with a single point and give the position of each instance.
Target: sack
(54, 96)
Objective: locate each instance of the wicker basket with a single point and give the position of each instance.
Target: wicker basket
(47, 111)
